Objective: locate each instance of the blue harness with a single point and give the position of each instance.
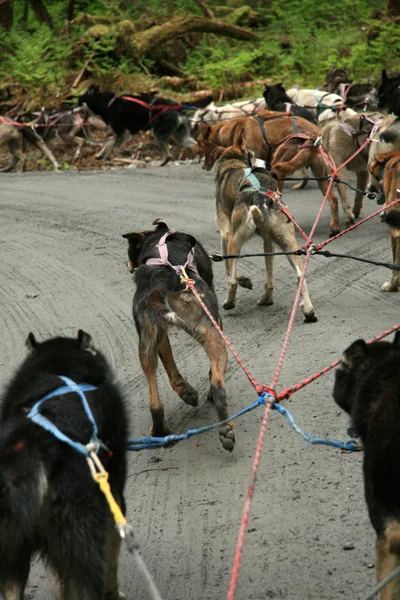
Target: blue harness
(44, 422)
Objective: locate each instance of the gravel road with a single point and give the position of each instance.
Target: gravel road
(63, 267)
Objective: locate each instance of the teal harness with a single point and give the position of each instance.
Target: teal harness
(255, 185)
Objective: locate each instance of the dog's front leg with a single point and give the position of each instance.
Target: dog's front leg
(113, 548)
(148, 360)
(164, 149)
(342, 189)
(12, 585)
(393, 284)
(216, 351)
(47, 152)
(362, 178)
(184, 390)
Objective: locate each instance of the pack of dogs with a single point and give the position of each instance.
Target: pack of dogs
(63, 395)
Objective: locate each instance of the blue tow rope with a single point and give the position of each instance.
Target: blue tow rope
(44, 422)
(351, 445)
(151, 443)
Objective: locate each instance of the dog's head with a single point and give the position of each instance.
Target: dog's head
(136, 241)
(357, 361)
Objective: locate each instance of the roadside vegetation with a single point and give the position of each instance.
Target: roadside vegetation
(50, 50)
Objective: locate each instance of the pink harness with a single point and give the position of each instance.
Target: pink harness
(163, 259)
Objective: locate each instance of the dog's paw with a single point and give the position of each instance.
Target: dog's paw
(188, 394)
(333, 232)
(245, 282)
(227, 436)
(310, 317)
(350, 221)
(390, 287)
(228, 305)
(160, 431)
(266, 300)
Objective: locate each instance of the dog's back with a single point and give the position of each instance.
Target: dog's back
(49, 503)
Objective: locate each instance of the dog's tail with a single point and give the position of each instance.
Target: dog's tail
(284, 169)
(201, 102)
(392, 218)
(391, 133)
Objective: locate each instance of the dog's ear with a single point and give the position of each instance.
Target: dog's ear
(384, 76)
(357, 350)
(206, 130)
(280, 86)
(85, 342)
(31, 344)
(396, 340)
(161, 225)
(238, 140)
(266, 87)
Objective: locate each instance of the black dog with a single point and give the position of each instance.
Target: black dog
(367, 386)
(389, 93)
(131, 114)
(49, 503)
(276, 98)
(161, 300)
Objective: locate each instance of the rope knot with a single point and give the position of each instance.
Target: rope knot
(266, 394)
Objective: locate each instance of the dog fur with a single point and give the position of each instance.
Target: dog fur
(161, 301)
(291, 147)
(240, 214)
(342, 144)
(359, 96)
(367, 387)
(215, 114)
(386, 168)
(389, 93)
(126, 116)
(322, 101)
(49, 503)
(276, 99)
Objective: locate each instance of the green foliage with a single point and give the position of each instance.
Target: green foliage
(34, 60)
(298, 41)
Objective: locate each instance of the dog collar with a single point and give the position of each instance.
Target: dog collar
(163, 254)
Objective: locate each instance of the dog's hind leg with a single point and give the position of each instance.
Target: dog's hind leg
(184, 390)
(386, 562)
(268, 297)
(148, 360)
(302, 184)
(113, 548)
(216, 351)
(224, 225)
(319, 170)
(12, 584)
(241, 233)
(362, 178)
(393, 284)
(342, 189)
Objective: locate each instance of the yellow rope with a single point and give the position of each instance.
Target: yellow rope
(184, 275)
(102, 479)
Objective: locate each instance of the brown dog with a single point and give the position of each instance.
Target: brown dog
(385, 168)
(161, 301)
(342, 140)
(286, 144)
(246, 205)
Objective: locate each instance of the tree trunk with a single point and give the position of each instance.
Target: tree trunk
(143, 42)
(6, 14)
(393, 8)
(70, 10)
(41, 12)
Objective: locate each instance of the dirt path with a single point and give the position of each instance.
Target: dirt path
(63, 267)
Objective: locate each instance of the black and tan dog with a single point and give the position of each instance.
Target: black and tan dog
(49, 503)
(385, 168)
(367, 387)
(161, 300)
(246, 205)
